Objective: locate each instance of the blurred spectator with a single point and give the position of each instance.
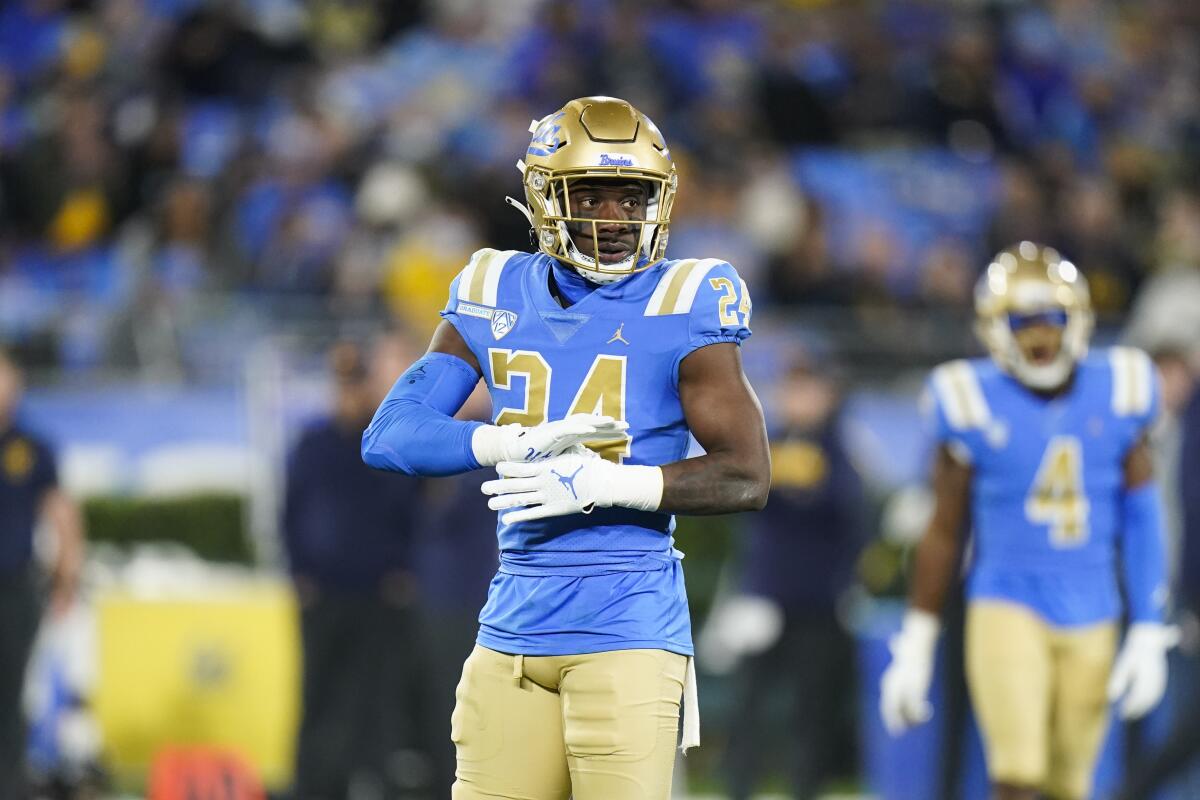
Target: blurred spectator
(990, 124)
(29, 493)
(348, 536)
(1181, 408)
(456, 557)
(803, 274)
(798, 557)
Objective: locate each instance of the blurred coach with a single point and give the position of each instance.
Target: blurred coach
(799, 557)
(29, 494)
(347, 532)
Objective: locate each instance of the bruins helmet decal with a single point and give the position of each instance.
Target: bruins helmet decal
(1029, 279)
(596, 138)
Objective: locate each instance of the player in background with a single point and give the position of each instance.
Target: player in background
(1044, 447)
(584, 646)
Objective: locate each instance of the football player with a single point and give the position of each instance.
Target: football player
(1044, 447)
(584, 646)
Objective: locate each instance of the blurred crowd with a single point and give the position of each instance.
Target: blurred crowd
(174, 173)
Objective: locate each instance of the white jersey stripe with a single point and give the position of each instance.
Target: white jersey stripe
(977, 408)
(1143, 383)
(687, 296)
(1133, 381)
(960, 395)
(948, 398)
(467, 278)
(491, 283)
(654, 307)
(1122, 381)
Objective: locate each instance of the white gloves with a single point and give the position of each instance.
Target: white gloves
(741, 625)
(572, 483)
(1139, 675)
(904, 689)
(492, 444)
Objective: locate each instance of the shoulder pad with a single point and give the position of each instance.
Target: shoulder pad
(1132, 381)
(957, 391)
(678, 285)
(479, 282)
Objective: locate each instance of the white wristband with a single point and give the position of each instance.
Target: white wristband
(635, 486)
(921, 628)
(488, 445)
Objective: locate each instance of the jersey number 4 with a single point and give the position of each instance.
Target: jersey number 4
(1057, 497)
(602, 392)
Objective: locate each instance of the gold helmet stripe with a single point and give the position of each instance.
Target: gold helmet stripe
(1133, 378)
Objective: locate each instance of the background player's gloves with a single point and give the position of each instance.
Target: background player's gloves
(492, 444)
(904, 689)
(572, 483)
(1139, 675)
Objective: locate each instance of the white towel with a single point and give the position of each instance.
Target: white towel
(691, 710)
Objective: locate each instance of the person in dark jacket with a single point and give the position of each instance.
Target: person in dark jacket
(1181, 749)
(347, 532)
(799, 555)
(29, 493)
(456, 555)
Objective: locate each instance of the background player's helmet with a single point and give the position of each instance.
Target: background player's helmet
(1029, 279)
(596, 137)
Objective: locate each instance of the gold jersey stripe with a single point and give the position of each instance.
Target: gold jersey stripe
(669, 298)
(479, 276)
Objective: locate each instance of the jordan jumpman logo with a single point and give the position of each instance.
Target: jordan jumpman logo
(617, 337)
(568, 482)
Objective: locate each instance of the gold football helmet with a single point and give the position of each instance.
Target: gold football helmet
(1031, 282)
(604, 138)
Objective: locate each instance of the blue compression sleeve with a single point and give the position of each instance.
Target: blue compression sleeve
(413, 431)
(1143, 553)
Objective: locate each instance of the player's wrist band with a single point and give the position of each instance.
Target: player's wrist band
(635, 486)
(488, 445)
(921, 628)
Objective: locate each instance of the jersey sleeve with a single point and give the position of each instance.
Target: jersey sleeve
(720, 310)
(1136, 394)
(955, 409)
(474, 293)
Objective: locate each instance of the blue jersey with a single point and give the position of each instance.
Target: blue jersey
(1047, 478)
(611, 579)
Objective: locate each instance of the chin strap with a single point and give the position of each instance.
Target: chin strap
(519, 206)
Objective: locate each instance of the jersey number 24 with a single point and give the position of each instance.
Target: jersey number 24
(602, 392)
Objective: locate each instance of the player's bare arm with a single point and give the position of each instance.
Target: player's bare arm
(940, 550)
(725, 417)
(905, 685)
(1139, 465)
(446, 339)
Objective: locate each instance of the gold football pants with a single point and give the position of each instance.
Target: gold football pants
(599, 726)
(1039, 694)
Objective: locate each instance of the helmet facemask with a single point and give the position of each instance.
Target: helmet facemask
(556, 238)
(596, 140)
